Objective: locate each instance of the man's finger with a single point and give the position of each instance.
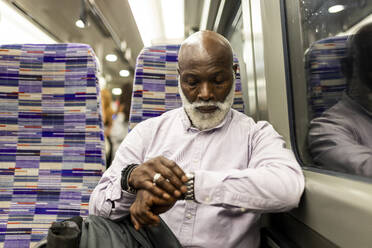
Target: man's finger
(162, 202)
(141, 219)
(149, 186)
(152, 218)
(137, 226)
(168, 174)
(132, 211)
(164, 184)
(146, 214)
(146, 217)
(175, 168)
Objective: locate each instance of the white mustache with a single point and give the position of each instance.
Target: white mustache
(205, 104)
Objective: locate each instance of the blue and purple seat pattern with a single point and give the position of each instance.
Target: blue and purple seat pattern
(51, 138)
(155, 86)
(325, 81)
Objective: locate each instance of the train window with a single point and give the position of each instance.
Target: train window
(329, 45)
(18, 30)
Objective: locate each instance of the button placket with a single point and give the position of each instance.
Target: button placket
(196, 161)
(187, 227)
(188, 221)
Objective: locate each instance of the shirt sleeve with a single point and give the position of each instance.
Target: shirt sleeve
(272, 182)
(108, 199)
(337, 146)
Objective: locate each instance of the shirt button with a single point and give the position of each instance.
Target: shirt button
(242, 209)
(207, 199)
(188, 216)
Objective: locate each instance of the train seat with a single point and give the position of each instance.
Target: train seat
(51, 138)
(325, 81)
(155, 86)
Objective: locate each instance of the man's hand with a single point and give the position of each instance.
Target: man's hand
(146, 208)
(171, 183)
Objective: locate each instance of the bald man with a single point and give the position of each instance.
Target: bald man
(208, 170)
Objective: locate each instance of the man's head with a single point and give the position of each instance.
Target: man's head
(357, 65)
(206, 78)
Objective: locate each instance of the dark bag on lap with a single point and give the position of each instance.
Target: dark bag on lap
(99, 232)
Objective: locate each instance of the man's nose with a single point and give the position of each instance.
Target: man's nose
(206, 92)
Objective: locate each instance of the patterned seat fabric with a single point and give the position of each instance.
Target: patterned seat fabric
(51, 139)
(325, 81)
(155, 87)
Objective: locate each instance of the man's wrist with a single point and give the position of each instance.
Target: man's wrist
(190, 193)
(125, 175)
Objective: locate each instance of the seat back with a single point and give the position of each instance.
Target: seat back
(325, 81)
(51, 138)
(155, 86)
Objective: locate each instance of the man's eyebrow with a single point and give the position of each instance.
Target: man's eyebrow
(218, 71)
(189, 74)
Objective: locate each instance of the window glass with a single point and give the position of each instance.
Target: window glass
(330, 45)
(17, 29)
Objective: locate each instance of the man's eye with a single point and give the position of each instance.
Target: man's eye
(219, 80)
(191, 82)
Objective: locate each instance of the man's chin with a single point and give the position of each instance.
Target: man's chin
(204, 121)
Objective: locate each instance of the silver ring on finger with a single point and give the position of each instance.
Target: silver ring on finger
(156, 177)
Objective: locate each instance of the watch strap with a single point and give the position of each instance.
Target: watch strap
(190, 194)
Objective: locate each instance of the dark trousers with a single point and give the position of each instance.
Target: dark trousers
(99, 232)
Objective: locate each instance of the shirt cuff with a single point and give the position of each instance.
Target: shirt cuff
(118, 193)
(208, 187)
(117, 201)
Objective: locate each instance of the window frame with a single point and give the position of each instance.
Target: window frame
(293, 127)
(335, 208)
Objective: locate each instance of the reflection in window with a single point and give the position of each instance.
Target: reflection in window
(337, 82)
(341, 138)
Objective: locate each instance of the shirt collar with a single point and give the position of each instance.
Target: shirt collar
(187, 123)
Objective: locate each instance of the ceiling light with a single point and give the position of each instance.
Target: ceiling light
(128, 54)
(124, 73)
(111, 57)
(80, 24)
(336, 8)
(123, 45)
(116, 91)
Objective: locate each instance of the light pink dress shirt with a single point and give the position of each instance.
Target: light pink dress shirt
(242, 169)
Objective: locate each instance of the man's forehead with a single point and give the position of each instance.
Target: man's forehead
(205, 65)
(205, 45)
(194, 56)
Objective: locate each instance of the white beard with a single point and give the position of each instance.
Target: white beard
(204, 121)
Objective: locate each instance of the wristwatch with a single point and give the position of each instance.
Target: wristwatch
(125, 173)
(190, 195)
